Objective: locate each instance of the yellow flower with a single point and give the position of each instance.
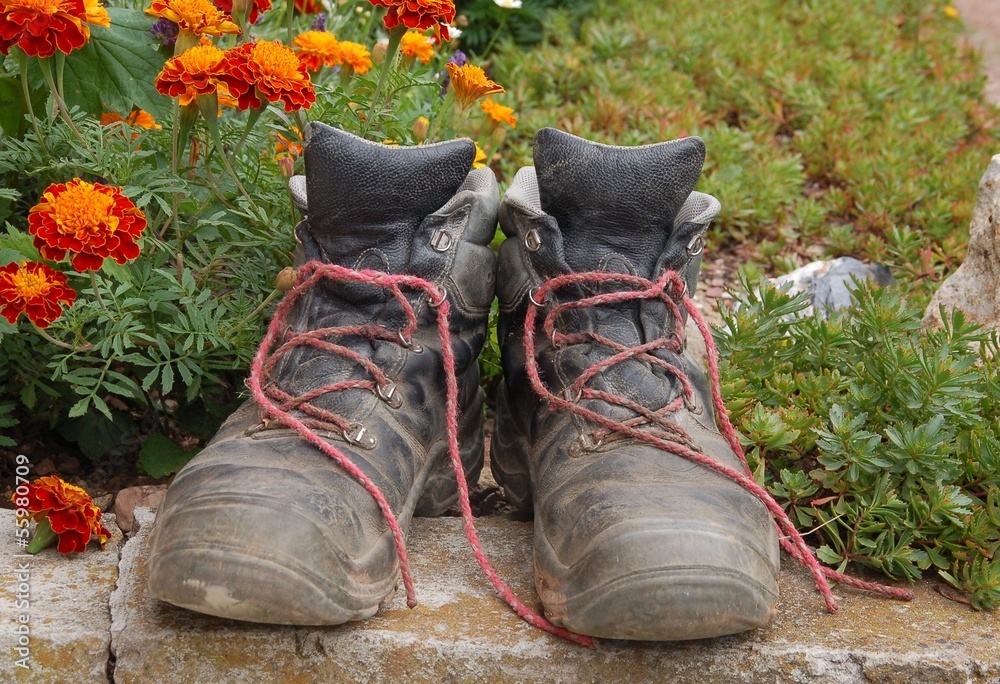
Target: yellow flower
(195, 16)
(498, 113)
(417, 46)
(480, 160)
(316, 48)
(355, 56)
(469, 83)
(950, 12)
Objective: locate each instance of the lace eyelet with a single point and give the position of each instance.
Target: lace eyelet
(444, 296)
(357, 434)
(531, 296)
(408, 343)
(388, 394)
(590, 443)
(696, 246)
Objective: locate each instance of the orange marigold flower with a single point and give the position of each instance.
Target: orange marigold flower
(194, 72)
(316, 48)
(355, 56)
(138, 118)
(285, 148)
(89, 221)
(34, 289)
(417, 45)
(419, 14)
(309, 6)
(196, 16)
(40, 27)
(269, 71)
(70, 511)
(257, 7)
(470, 83)
(498, 113)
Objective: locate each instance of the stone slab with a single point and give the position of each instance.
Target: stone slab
(461, 632)
(68, 620)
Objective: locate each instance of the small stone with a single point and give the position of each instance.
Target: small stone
(147, 496)
(829, 283)
(44, 467)
(974, 288)
(714, 292)
(69, 465)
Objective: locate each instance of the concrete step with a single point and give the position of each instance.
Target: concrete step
(461, 632)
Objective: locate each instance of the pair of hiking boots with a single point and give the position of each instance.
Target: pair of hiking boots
(367, 398)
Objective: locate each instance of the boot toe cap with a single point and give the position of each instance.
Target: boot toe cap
(661, 580)
(264, 540)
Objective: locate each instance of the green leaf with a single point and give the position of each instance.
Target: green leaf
(12, 106)
(161, 456)
(117, 68)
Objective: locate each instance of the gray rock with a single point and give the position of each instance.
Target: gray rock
(974, 288)
(461, 632)
(829, 283)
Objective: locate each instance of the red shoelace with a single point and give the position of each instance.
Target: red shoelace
(669, 288)
(277, 404)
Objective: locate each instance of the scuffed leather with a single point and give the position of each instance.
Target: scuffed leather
(587, 187)
(363, 195)
(610, 209)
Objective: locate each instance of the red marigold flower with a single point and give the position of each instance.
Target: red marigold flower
(91, 222)
(417, 45)
(34, 289)
(195, 16)
(498, 113)
(316, 48)
(257, 7)
(255, 72)
(355, 56)
(419, 14)
(72, 514)
(40, 27)
(195, 71)
(470, 83)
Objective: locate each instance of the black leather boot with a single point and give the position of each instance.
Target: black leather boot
(632, 540)
(262, 526)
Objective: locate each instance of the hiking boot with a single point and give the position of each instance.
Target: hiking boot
(601, 409)
(264, 526)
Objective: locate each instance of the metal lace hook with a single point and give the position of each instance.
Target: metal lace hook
(438, 303)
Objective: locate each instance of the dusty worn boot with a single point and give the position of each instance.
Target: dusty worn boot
(266, 527)
(632, 540)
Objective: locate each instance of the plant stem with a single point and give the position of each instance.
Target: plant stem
(290, 19)
(395, 36)
(496, 34)
(61, 108)
(97, 291)
(267, 300)
(59, 343)
(22, 63)
(251, 120)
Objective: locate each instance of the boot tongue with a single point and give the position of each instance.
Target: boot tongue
(366, 200)
(610, 199)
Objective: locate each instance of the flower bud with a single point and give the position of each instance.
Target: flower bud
(286, 167)
(286, 279)
(379, 50)
(420, 128)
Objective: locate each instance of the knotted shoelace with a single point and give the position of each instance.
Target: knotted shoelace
(277, 404)
(670, 289)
